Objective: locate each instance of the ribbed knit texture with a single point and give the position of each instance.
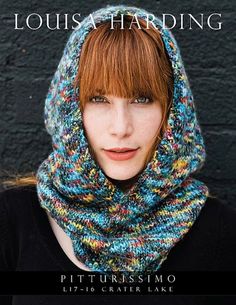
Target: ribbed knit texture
(112, 230)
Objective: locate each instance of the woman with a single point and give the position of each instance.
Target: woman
(116, 193)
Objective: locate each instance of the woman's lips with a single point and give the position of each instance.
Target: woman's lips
(120, 154)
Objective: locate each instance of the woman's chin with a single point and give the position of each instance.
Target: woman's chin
(125, 175)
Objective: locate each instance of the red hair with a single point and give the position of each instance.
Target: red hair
(126, 63)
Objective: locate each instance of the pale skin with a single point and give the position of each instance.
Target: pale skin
(109, 122)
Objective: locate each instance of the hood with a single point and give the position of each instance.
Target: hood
(62, 99)
(181, 148)
(104, 223)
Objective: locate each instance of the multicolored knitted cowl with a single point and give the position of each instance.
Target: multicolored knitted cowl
(113, 230)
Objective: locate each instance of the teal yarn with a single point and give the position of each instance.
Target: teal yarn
(112, 230)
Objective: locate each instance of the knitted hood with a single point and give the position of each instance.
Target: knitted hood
(182, 140)
(101, 220)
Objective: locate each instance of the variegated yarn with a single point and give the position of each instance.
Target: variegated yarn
(112, 230)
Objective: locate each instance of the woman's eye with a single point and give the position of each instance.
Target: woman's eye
(98, 99)
(142, 100)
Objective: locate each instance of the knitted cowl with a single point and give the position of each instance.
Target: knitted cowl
(113, 230)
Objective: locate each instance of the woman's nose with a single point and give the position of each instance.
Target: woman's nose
(121, 122)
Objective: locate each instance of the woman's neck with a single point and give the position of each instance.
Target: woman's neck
(124, 185)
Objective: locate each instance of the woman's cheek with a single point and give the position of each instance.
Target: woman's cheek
(149, 125)
(94, 124)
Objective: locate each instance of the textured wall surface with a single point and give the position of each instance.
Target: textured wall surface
(29, 58)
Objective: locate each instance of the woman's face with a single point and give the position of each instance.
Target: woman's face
(121, 132)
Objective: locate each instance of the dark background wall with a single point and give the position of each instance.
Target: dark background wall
(29, 58)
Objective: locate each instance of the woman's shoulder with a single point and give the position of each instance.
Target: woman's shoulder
(17, 205)
(224, 211)
(219, 215)
(14, 198)
(222, 219)
(15, 221)
(226, 214)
